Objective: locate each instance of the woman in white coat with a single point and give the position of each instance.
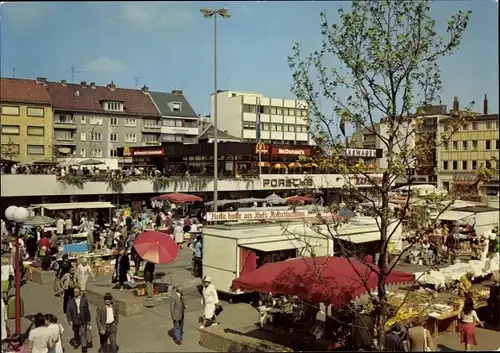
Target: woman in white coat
(83, 271)
(210, 300)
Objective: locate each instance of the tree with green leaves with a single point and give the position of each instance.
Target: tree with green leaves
(10, 150)
(378, 70)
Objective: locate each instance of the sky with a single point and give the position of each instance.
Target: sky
(169, 45)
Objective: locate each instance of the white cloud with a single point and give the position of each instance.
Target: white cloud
(26, 17)
(103, 64)
(150, 15)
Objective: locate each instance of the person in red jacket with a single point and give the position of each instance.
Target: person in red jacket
(44, 242)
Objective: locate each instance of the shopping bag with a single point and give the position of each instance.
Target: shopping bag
(218, 310)
(114, 278)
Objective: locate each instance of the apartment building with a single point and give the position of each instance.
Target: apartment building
(93, 121)
(475, 145)
(26, 121)
(179, 122)
(282, 121)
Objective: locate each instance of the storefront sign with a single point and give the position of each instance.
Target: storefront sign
(291, 151)
(126, 152)
(260, 147)
(464, 177)
(257, 215)
(287, 182)
(360, 152)
(147, 153)
(364, 181)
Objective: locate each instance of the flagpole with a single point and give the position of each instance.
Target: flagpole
(258, 135)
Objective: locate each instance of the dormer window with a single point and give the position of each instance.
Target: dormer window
(176, 106)
(114, 106)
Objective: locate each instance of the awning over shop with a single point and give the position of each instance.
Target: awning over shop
(331, 280)
(464, 182)
(454, 215)
(74, 205)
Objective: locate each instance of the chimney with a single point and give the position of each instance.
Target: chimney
(485, 105)
(111, 86)
(92, 85)
(456, 104)
(177, 91)
(41, 80)
(84, 83)
(64, 82)
(145, 89)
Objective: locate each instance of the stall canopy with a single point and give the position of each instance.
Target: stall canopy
(74, 205)
(330, 280)
(275, 199)
(298, 198)
(178, 198)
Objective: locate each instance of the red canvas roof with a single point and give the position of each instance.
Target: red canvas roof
(14, 90)
(178, 198)
(331, 280)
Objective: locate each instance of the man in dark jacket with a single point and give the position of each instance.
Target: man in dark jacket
(107, 323)
(64, 266)
(78, 314)
(122, 266)
(363, 331)
(177, 308)
(393, 340)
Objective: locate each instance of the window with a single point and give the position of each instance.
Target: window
(168, 122)
(445, 165)
(168, 137)
(496, 125)
(179, 138)
(279, 111)
(455, 165)
(83, 136)
(265, 126)
(35, 131)
(464, 165)
(474, 126)
(445, 146)
(176, 106)
(487, 144)
(291, 128)
(464, 127)
(96, 137)
(497, 144)
(82, 152)
(82, 120)
(96, 152)
(488, 125)
(474, 145)
(272, 110)
(273, 127)
(474, 165)
(36, 149)
(279, 127)
(291, 112)
(303, 128)
(95, 120)
(115, 106)
(464, 145)
(149, 139)
(264, 109)
(150, 123)
(64, 119)
(36, 112)
(304, 113)
(130, 138)
(113, 153)
(113, 138)
(64, 135)
(178, 123)
(249, 108)
(248, 125)
(487, 164)
(10, 110)
(131, 122)
(455, 145)
(10, 129)
(113, 121)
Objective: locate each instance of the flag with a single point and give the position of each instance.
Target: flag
(257, 124)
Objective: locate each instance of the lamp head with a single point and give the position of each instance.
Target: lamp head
(21, 215)
(207, 13)
(224, 12)
(9, 213)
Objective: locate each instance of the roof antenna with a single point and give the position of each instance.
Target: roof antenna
(137, 81)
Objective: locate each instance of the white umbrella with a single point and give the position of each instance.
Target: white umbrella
(275, 199)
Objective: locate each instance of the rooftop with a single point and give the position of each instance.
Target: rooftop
(164, 102)
(13, 90)
(208, 134)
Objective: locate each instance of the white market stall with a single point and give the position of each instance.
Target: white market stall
(67, 206)
(233, 249)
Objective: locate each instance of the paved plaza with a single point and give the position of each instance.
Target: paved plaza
(148, 332)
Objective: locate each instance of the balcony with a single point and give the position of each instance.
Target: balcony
(151, 129)
(65, 124)
(179, 130)
(65, 142)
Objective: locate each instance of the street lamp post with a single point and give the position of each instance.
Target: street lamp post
(19, 215)
(209, 13)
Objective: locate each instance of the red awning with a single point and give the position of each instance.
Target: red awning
(178, 198)
(331, 280)
(299, 198)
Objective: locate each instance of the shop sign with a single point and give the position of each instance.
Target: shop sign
(147, 153)
(464, 177)
(260, 147)
(364, 181)
(126, 152)
(255, 215)
(291, 151)
(360, 152)
(287, 182)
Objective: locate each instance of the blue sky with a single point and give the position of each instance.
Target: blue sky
(169, 45)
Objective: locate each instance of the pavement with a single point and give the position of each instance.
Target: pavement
(148, 332)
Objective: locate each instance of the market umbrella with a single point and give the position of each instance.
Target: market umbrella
(91, 162)
(298, 198)
(311, 165)
(279, 166)
(178, 198)
(264, 164)
(220, 202)
(249, 200)
(46, 162)
(294, 165)
(327, 279)
(39, 221)
(156, 247)
(275, 199)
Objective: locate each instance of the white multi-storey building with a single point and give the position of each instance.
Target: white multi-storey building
(283, 121)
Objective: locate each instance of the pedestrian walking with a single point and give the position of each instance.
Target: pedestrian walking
(122, 267)
(83, 271)
(177, 308)
(78, 314)
(197, 248)
(7, 276)
(149, 275)
(467, 318)
(3, 314)
(210, 300)
(68, 285)
(107, 324)
(419, 337)
(40, 338)
(56, 330)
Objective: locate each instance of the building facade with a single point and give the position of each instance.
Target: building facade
(93, 121)
(475, 145)
(179, 122)
(26, 121)
(283, 121)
